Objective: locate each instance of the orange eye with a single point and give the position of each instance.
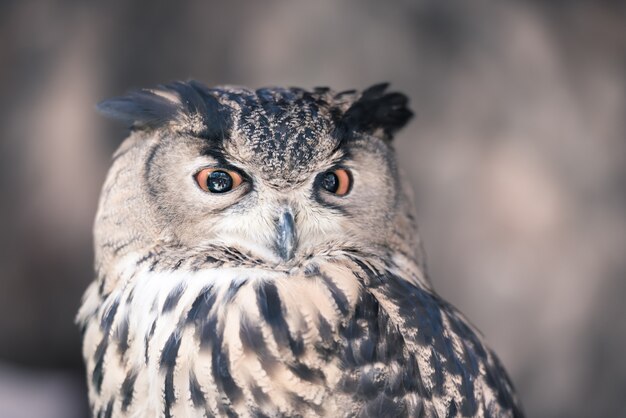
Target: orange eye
(218, 180)
(337, 181)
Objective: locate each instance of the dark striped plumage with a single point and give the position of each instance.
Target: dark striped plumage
(199, 317)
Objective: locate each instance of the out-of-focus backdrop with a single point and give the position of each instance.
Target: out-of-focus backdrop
(518, 158)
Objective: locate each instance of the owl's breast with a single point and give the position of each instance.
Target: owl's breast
(336, 337)
(223, 341)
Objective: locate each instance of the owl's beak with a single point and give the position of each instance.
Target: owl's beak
(286, 235)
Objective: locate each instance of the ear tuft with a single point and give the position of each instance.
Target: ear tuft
(140, 109)
(185, 107)
(377, 112)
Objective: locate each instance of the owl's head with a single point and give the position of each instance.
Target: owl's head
(281, 173)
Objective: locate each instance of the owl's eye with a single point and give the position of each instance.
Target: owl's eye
(218, 180)
(337, 181)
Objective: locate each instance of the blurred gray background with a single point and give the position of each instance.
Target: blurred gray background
(518, 158)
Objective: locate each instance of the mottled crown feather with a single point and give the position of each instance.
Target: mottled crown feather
(193, 108)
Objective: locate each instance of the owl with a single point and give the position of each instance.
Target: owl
(256, 255)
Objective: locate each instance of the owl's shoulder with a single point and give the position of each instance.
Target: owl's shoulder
(432, 357)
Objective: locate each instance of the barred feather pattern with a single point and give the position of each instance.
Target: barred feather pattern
(219, 333)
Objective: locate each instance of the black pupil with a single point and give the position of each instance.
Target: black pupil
(330, 182)
(219, 182)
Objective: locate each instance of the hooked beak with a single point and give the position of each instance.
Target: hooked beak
(285, 235)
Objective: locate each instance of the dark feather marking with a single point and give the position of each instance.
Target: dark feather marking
(169, 393)
(252, 339)
(207, 331)
(173, 297)
(170, 351)
(168, 362)
(411, 379)
(98, 373)
(341, 300)
(201, 307)
(109, 316)
(211, 332)
(325, 330)
(221, 373)
(197, 396)
(178, 264)
(143, 259)
(259, 396)
(217, 117)
(499, 381)
(199, 316)
(153, 265)
(418, 411)
(130, 296)
(258, 414)
(452, 410)
(390, 345)
(469, 406)
(461, 328)
(122, 335)
(362, 334)
(272, 311)
(370, 384)
(437, 377)
(105, 325)
(327, 346)
(233, 289)
(128, 389)
(305, 403)
(349, 382)
(109, 411)
(147, 168)
(311, 270)
(120, 247)
(148, 338)
(384, 407)
(102, 282)
(308, 374)
(371, 276)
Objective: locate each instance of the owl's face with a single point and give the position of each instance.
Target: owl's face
(283, 174)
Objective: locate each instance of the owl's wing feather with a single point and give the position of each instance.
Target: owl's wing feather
(443, 364)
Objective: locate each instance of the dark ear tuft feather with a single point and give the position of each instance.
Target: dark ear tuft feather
(140, 109)
(186, 107)
(376, 111)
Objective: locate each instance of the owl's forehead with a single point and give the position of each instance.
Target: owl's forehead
(284, 133)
